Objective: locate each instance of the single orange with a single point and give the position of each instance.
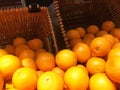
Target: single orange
(58, 71)
(65, 59)
(76, 78)
(35, 44)
(81, 31)
(27, 53)
(112, 68)
(116, 45)
(25, 79)
(82, 51)
(100, 46)
(45, 61)
(108, 25)
(72, 34)
(18, 41)
(20, 48)
(101, 33)
(73, 42)
(100, 81)
(110, 38)
(114, 52)
(8, 65)
(29, 62)
(95, 65)
(40, 51)
(10, 49)
(88, 38)
(50, 81)
(92, 29)
(117, 33)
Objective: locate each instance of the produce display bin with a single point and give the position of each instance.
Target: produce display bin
(20, 22)
(81, 13)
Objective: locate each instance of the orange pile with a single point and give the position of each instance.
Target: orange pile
(92, 63)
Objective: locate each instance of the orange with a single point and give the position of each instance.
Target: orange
(116, 40)
(27, 53)
(81, 31)
(25, 79)
(95, 65)
(100, 46)
(87, 38)
(10, 49)
(1, 82)
(35, 44)
(50, 81)
(110, 38)
(108, 25)
(45, 61)
(65, 59)
(113, 31)
(112, 68)
(73, 42)
(101, 33)
(29, 62)
(58, 71)
(116, 45)
(3, 52)
(100, 81)
(117, 33)
(92, 29)
(8, 65)
(20, 48)
(18, 41)
(72, 34)
(82, 51)
(76, 78)
(40, 51)
(114, 52)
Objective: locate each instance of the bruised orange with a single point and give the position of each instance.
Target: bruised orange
(25, 79)
(65, 59)
(50, 81)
